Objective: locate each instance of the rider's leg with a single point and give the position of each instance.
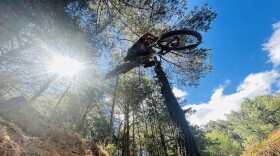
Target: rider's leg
(150, 63)
(131, 55)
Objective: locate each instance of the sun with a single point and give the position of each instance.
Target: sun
(65, 66)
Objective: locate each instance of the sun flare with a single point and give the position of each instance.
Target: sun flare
(65, 66)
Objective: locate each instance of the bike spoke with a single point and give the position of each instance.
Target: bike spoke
(186, 40)
(180, 40)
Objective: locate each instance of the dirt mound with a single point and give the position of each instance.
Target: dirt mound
(271, 146)
(23, 131)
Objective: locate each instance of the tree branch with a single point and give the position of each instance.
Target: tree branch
(121, 19)
(131, 5)
(171, 62)
(123, 39)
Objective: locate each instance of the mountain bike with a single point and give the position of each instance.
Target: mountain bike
(171, 41)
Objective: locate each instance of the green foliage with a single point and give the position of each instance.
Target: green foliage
(200, 139)
(113, 23)
(112, 148)
(269, 146)
(244, 128)
(88, 30)
(222, 144)
(256, 118)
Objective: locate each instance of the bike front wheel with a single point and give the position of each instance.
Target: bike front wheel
(179, 40)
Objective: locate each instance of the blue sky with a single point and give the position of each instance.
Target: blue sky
(243, 67)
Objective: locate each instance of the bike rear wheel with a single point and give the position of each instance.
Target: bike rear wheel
(179, 40)
(123, 68)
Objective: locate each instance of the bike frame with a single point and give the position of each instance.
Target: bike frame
(161, 49)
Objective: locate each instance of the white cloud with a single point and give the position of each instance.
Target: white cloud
(252, 86)
(227, 82)
(179, 93)
(273, 46)
(220, 104)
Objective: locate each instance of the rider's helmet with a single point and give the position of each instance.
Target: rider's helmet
(149, 40)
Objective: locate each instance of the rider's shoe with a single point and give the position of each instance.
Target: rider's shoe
(149, 64)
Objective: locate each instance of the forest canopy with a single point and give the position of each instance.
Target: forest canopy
(56, 53)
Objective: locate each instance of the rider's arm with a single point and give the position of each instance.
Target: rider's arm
(149, 34)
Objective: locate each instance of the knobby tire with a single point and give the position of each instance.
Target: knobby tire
(180, 32)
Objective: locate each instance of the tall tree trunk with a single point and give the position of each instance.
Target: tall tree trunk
(80, 127)
(133, 135)
(112, 112)
(127, 152)
(140, 140)
(119, 135)
(43, 88)
(54, 111)
(154, 139)
(176, 113)
(125, 147)
(124, 138)
(162, 140)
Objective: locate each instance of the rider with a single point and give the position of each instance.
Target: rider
(142, 48)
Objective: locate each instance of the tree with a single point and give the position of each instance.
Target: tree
(244, 128)
(32, 32)
(176, 113)
(89, 30)
(194, 63)
(256, 118)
